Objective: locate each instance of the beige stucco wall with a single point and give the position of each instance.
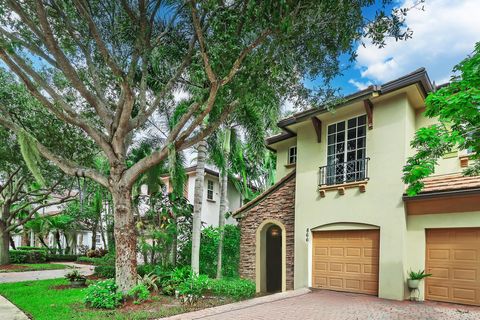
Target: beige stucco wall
(282, 157)
(210, 209)
(416, 241)
(381, 205)
(449, 163)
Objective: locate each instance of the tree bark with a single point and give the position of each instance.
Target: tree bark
(25, 237)
(12, 243)
(58, 240)
(125, 238)
(197, 204)
(4, 245)
(221, 218)
(94, 237)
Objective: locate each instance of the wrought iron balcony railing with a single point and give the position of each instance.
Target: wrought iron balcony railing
(343, 172)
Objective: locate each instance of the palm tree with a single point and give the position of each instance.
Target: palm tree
(197, 204)
(238, 145)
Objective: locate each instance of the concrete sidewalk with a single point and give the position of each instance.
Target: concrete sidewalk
(44, 274)
(8, 311)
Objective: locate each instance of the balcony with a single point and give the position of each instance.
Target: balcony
(342, 175)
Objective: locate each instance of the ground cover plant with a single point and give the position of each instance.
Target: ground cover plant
(55, 300)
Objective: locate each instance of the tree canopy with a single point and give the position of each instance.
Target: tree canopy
(457, 108)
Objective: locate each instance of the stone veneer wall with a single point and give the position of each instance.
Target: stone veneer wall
(279, 205)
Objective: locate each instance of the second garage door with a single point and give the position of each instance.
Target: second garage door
(453, 259)
(346, 260)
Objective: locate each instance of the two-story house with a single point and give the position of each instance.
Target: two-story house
(211, 195)
(338, 217)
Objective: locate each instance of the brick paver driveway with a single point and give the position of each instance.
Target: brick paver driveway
(329, 305)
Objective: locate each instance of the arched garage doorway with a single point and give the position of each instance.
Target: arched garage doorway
(270, 257)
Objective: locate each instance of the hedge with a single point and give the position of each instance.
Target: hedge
(28, 248)
(62, 257)
(105, 271)
(28, 256)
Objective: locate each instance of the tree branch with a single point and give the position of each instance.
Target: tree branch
(201, 41)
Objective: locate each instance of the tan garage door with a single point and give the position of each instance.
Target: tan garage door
(346, 260)
(453, 259)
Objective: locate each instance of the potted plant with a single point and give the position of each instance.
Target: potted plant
(415, 278)
(76, 279)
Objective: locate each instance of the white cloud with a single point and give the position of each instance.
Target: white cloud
(360, 85)
(443, 35)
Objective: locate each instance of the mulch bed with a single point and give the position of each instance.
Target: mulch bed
(12, 267)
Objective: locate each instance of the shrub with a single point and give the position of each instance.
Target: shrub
(74, 275)
(62, 257)
(28, 248)
(103, 295)
(28, 256)
(105, 271)
(144, 269)
(96, 261)
(209, 251)
(82, 249)
(171, 281)
(193, 287)
(236, 289)
(149, 280)
(97, 253)
(139, 293)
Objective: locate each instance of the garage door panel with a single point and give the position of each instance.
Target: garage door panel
(352, 261)
(453, 260)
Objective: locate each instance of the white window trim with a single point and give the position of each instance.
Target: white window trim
(346, 137)
(208, 189)
(288, 155)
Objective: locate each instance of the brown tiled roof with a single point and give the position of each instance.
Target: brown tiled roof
(450, 182)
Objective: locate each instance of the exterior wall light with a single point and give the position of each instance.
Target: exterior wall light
(274, 231)
(307, 235)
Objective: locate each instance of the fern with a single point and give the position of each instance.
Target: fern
(31, 155)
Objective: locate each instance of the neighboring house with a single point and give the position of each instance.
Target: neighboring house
(211, 195)
(338, 217)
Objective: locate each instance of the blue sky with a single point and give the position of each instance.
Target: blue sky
(443, 34)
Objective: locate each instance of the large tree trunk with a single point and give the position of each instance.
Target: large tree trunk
(125, 239)
(4, 245)
(221, 218)
(197, 204)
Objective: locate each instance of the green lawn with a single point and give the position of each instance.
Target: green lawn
(32, 267)
(42, 301)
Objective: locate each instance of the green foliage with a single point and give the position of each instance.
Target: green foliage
(209, 251)
(139, 293)
(418, 275)
(74, 275)
(31, 155)
(30, 248)
(174, 278)
(456, 107)
(234, 288)
(193, 287)
(94, 261)
(149, 280)
(62, 257)
(28, 256)
(103, 295)
(105, 271)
